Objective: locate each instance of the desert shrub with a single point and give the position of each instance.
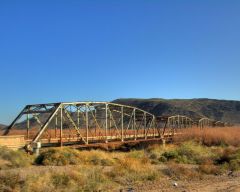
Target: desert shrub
(137, 154)
(131, 170)
(154, 159)
(178, 171)
(59, 156)
(97, 180)
(60, 180)
(169, 155)
(153, 156)
(81, 178)
(140, 155)
(225, 155)
(210, 169)
(38, 183)
(13, 159)
(159, 154)
(235, 156)
(97, 157)
(10, 182)
(188, 152)
(229, 158)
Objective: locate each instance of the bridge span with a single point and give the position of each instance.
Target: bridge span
(85, 123)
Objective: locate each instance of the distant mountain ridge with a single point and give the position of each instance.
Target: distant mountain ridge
(2, 126)
(220, 110)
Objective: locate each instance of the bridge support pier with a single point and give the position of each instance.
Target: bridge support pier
(163, 142)
(36, 148)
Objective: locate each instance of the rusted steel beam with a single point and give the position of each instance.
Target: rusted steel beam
(98, 122)
(46, 124)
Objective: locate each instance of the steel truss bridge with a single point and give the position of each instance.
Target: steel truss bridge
(84, 123)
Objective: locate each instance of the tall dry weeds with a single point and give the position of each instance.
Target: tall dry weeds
(212, 136)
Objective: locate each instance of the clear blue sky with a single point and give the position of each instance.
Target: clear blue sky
(53, 51)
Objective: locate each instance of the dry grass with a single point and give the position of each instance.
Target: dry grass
(14, 159)
(69, 179)
(129, 171)
(181, 172)
(96, 170)
(213, 136)
(68, 156)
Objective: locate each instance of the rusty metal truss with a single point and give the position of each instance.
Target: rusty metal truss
(173, 124)
(219, 124)
(179, 121)
(205, 122)
(83, 122)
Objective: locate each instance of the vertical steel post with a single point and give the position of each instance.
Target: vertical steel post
(122, 137)
(154, 126)
(56, 125)
(87, 121)
(134, 124)
(78, 118)
(178, 121)
(95, 117)
(28, 124)
(145, 126)
(61, 125)
(106, 123)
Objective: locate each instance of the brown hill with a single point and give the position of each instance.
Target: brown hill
(2, 126)
(221, 110)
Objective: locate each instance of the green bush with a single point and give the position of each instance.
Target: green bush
(59, 157)
(188, 152)
(229, 159)
(169, 155)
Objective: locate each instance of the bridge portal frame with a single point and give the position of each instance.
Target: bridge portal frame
(179, 121)
(205, 122)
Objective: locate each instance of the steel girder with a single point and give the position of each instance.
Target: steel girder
(179, 121)
(83, 122)
(95, 122)
(205, 122)
(219, 124)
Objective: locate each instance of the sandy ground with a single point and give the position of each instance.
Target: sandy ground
(209, 183)
(223, 183)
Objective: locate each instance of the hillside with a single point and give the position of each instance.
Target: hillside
(2, 126)
(223, 110)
